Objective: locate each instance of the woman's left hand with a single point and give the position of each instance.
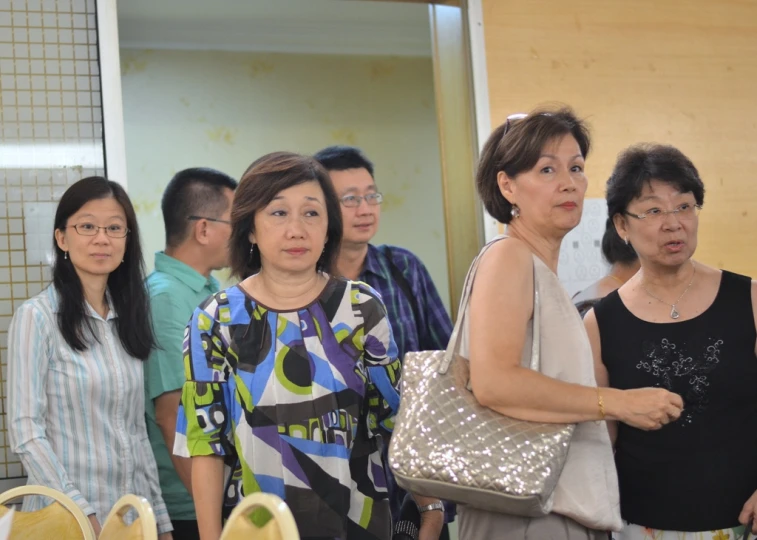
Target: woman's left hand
(431, 525)
(749, 512)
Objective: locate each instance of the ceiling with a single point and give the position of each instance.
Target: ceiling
(294, 26)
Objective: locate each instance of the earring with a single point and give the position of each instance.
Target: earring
(515, 211)
(626, 240)
(252, 249)
(65, 255)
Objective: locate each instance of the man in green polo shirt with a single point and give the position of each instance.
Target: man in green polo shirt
(196, 211)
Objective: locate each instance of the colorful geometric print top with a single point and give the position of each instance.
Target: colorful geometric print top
(295, 402)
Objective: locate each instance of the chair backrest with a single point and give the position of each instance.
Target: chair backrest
(143, 527)
(281, 526)
(61, 519)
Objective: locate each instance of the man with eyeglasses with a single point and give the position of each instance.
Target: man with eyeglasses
(196, 209)
(418, 318)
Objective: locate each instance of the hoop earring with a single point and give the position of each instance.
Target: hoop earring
(515, 211)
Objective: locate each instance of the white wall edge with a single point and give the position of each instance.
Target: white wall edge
(480, 92)
(478, 69)
(114, 137)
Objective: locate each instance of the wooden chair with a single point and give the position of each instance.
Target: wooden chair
(143, 527)
(281, 526)
(61, 519)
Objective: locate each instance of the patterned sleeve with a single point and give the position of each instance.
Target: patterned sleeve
(382, 364)
(203, 427)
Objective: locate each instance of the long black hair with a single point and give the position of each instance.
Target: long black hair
(125, 284)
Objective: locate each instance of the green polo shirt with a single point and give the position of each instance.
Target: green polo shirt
(175, 291)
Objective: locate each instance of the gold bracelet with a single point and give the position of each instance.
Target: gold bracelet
(601, 403)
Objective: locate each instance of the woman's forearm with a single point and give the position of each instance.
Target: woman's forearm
(528, 395)
(207, 491)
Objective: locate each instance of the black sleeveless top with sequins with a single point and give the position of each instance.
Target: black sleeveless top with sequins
(694, 474)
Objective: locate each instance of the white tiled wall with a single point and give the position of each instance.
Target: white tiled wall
(50, 136)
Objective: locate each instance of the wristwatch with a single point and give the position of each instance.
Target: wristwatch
(433, 506)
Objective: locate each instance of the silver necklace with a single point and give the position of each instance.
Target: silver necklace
(673, 311)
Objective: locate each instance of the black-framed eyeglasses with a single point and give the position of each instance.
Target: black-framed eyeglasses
(353, 201)
(215, 220)
(90, 229)
(683, 211)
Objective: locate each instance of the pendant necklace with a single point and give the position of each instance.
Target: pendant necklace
(674, 311)
(616, 278)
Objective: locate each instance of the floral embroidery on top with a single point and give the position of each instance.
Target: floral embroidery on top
(683, 373)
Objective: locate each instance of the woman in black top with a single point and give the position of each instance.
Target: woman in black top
(688, 328)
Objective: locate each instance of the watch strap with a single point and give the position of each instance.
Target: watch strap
(430, 507)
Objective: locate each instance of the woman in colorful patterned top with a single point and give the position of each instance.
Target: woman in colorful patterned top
(292, 374)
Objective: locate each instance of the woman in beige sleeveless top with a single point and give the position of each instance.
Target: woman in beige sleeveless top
(531, 177)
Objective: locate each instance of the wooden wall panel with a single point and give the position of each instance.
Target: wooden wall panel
(681, 73)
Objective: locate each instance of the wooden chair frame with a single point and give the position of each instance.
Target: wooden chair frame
(239, 525)
(60, 499)
(143, 528)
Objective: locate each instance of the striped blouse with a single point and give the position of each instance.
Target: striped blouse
(77, 419)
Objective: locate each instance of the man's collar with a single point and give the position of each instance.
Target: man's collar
(372, 263)
(183, 272)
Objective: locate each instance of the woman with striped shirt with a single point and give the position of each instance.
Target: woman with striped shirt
(76, 414)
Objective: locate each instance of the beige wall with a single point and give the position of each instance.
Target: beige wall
(683, 73)
(223, 110)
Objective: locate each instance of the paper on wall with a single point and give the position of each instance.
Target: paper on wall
(581, 262)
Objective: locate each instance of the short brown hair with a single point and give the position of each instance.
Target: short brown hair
(515, 147)
(262, 181)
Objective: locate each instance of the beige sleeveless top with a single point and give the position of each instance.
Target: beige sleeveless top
(588, 487)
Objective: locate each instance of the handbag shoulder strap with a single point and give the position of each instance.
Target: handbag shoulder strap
(455, 339)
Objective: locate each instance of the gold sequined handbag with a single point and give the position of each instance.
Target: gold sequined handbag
(446, 445)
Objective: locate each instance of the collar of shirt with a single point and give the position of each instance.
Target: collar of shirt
(373, 263)
(54, 298)
(184, 273)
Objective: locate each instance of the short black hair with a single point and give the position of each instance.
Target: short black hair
(515, 147)
(640, 164)
(341, 158)
(265, 178)
(614, 249)
(198, 191)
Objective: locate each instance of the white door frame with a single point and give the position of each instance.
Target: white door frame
(114, 137)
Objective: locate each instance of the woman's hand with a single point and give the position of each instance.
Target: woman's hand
(643, 408)
(749, 512)
(165, 536)
(95, 524)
